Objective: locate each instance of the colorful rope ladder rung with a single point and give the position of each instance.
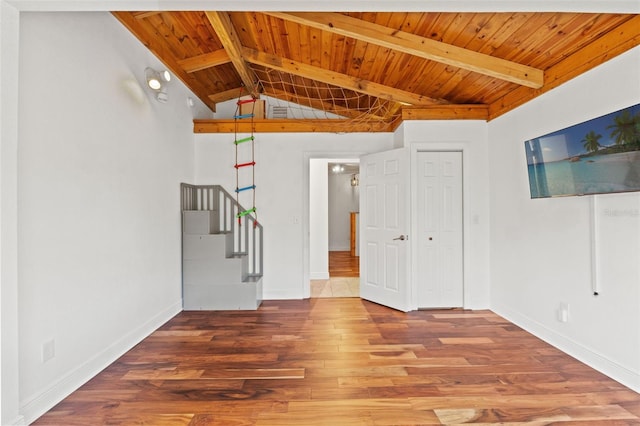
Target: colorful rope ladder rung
(245, 113)
(247, 139)
(246, 188)
(246, 212)
(237, 166)
(241, 116)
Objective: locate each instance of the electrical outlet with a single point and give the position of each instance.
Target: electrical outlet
(48, 350)
(563, 312)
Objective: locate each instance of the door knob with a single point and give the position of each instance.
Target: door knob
(402, 238)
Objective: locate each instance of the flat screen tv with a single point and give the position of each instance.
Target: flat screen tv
(595, 157)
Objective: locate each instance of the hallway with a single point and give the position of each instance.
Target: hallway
(344, 277)
(342, 264)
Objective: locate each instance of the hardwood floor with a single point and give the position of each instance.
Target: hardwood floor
(345, 362)
(342, 264)
(344, 277)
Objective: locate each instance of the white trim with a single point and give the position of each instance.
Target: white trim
(595, 238)
(593, 359)
(9, 290)
(319, 276)
(279, 295)
(615, 6)
(36, 405)
(458, 146)
(306, 193)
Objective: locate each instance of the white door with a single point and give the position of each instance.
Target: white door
(439, 230)
(384, 226)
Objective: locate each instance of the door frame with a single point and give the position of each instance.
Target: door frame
(306, 187)
(416, 147)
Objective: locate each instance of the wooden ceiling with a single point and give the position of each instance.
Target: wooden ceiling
(400, 66)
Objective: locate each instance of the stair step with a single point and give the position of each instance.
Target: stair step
(241, 296)
(237, 255)
(214, 276)
(253, 278)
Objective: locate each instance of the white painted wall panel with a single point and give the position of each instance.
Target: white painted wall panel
(343, 199)
(98, 200)
(541, 252)
(282, 196)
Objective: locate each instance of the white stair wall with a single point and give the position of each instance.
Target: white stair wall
(212, 275)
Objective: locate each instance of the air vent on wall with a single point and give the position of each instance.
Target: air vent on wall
(279, 112)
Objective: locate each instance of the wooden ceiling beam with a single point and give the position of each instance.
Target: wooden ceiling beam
(227, 95)
(150, 40)
(223, 27)
(610, 45)
(290, 126)
(204, 61)
(146, 14)
(447, 112)
(418, 46)
(318, 104)
(336, 79)
(393, 112)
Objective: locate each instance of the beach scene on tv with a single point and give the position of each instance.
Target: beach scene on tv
(595, 157)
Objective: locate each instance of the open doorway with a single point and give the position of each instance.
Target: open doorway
(334, 240)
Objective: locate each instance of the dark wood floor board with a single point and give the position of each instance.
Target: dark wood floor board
(234, 403)
(632, 407)
(342, 362)
(327, 417)
(349, 416)
(342, 264)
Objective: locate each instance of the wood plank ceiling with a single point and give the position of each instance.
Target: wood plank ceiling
(376, 69)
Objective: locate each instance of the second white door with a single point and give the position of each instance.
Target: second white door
(439, 230)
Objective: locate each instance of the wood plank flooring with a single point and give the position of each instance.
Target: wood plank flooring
(342, 264)
(344, 362)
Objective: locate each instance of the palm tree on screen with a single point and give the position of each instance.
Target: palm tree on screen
(591, 141)
(624, 130)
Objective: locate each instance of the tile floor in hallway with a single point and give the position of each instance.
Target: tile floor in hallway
(336, 287)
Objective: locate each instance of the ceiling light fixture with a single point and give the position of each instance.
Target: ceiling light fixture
(337, 168)
(156, 81)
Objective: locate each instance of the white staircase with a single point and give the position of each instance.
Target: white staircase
(221, 264)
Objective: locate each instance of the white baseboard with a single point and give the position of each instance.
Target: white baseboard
(319, 275)
(593, 359)
(281, 295)
(36, 405)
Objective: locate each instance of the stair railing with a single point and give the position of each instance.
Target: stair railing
(246, 231)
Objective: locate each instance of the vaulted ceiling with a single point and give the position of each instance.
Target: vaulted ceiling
(369, 71)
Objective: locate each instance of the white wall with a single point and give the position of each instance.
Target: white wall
(99, 167)
(9, 379)
(343, 199)
(622, 6)
(541, 252)
(282, 179)
(469, 137)
(48, 381)
(318, 219)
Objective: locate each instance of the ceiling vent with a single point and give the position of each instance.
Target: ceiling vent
(279, 112)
